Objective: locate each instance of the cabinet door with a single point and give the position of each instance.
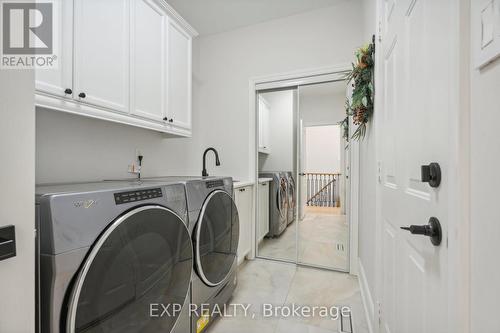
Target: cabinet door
(265, 128)
(263, 210)
(261, 123)
(243, 200)
(56, 81)
(102, 53)
(179, 76)
(148, 62)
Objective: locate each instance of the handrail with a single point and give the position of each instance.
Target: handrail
(319, 192)
(321, 188)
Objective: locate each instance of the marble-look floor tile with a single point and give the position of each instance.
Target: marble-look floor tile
(290, 326)
(314, 287)
(323, 240)
(261, 282)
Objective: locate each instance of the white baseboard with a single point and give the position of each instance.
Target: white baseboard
(366, 296)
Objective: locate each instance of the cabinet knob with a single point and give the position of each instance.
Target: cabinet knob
(68, 91)
(165, 119)
(171, 120)
(242, 190)
(82, 95)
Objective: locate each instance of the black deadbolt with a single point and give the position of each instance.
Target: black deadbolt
(432, 230)
(7, 242)
(431, 174)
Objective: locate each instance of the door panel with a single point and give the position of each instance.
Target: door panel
(148, 66)
(414, 122)
(102, 52)
(179, 76)
(56, 81)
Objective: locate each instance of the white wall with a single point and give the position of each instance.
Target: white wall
(281, 132)
(323, 149)
(322, 109)
(484, 185)
(17, 199)
(70, 148)
(367, 219)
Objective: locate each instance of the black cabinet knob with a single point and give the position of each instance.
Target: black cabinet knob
(68, 91)
(432, 230)
(431, 174)
(171, 120)
(165, 119)
(82, 95)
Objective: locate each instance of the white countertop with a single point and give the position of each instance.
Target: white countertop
(243, 183)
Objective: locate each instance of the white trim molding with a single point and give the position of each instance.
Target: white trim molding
(366, 297)
(93, 111)
(288, 80)
(179, 19)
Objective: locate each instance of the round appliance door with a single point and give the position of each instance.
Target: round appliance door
(216, 238)
(141, 261)
(291, 191)
(282, 198)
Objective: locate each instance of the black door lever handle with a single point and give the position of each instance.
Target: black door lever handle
(432, 230)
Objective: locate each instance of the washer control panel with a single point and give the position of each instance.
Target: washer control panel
(138, 195)
(215, 183)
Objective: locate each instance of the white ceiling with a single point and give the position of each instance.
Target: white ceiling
(214, 16)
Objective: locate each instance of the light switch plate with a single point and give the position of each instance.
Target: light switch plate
(486, 25)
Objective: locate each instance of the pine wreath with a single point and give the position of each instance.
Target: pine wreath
(360, 108)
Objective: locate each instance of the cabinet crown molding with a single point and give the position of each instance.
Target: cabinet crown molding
(179, 19)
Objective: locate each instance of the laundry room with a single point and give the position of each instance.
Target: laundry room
(216, 166)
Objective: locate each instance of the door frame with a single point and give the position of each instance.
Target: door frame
(289, 80)
(457, 239)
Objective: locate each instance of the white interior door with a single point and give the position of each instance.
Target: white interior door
(416, 117)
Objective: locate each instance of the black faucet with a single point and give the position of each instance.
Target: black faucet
(204, 173)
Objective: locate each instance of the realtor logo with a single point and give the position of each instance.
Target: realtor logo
(27, 35)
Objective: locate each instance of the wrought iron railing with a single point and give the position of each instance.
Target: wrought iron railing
(322, 189)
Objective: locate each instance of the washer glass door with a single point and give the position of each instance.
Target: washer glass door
(217, 235)
(143, 259)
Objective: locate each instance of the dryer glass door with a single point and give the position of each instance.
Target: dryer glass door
(283, 198)
(143, 259)
(217, 235)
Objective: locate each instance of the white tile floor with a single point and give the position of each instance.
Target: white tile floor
(323, 240)
(263, 281)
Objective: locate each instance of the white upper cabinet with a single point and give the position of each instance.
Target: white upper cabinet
(179, 76)
(126, 61)
(102, 53)
(149, 60)
(59, 81)
(264, 128)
